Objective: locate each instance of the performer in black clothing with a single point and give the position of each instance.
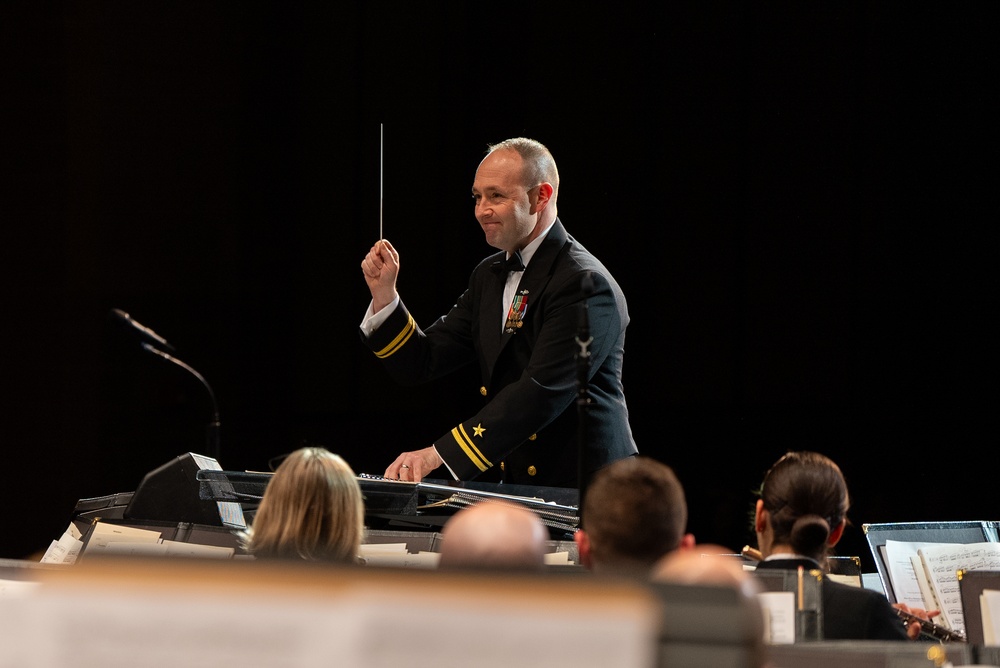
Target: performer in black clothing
(518, 319)
(799, 517)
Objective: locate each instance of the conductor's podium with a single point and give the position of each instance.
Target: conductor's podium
(192, 499)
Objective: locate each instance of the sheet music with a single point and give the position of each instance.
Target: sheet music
(902, 576)
(990, 604)
(104, 536)
(558, 559)
(65, 550)
(779, 616)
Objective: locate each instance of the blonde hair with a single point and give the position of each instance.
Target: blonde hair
(312, 509)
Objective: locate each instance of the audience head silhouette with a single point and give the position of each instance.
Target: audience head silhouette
(634, 513)
(714, 566)
(708, 565)
(312, 509)
(802, 507)
(494, 534)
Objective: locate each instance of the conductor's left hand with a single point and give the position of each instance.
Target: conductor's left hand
(413, 466)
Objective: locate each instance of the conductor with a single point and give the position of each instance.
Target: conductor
(517, 319)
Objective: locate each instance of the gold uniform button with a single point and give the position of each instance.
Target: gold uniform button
(532, 438)
(532, 470)
(482, 390)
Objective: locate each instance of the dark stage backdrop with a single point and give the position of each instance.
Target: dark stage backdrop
(797, 199)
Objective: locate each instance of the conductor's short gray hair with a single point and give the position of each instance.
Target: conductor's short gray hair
(539, 165)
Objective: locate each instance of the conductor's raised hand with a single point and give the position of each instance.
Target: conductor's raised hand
(380, 267)
(413, 466)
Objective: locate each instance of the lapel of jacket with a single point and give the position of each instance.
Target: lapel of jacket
(489, 312)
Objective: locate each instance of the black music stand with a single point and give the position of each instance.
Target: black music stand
(971, 585)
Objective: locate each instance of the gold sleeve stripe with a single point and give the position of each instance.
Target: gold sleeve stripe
(471, 451)
(400, 339)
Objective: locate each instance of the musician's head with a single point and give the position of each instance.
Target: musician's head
(312, 509)
(714, 566)
(802, 507)
(494, 534)
(634, 513)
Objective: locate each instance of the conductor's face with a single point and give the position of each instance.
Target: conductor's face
(505, 205)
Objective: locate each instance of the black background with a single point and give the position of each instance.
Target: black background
(798, 199)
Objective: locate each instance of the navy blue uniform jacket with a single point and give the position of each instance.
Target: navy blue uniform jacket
(528, 420)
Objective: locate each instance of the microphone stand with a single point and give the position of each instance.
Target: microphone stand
(583, 340)
(213, 426)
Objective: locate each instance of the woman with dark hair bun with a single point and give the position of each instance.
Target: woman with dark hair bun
(799, 518)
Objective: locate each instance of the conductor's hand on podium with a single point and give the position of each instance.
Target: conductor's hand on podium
(414, 466)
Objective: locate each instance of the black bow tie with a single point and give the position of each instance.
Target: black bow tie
(513, 263)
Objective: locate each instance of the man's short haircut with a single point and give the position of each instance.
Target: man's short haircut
(539, 165)
(634, 511)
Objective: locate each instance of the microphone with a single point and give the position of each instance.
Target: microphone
(213, 426)
(145, 331)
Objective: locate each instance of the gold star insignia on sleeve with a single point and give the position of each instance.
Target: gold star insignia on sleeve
(478, 430)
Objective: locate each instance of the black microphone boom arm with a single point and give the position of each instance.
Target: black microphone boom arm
(142, 329)
(213, 426)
